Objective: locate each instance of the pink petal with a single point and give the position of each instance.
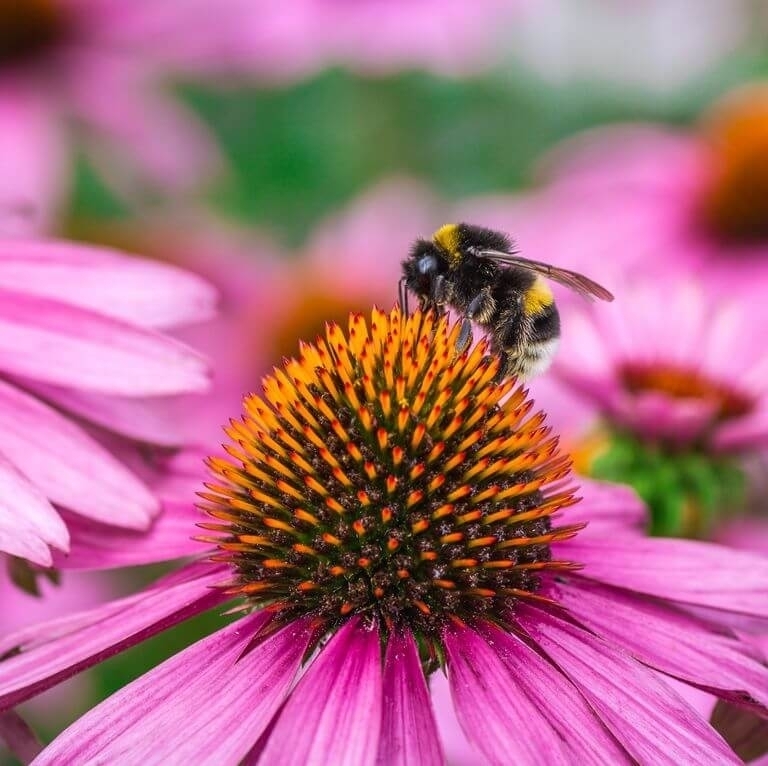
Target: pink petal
(502, 722)
(747, 533)
(145, 420)
(607, 509)
(68, 346)
(456, 746)
(408, 731)
(69, 466)
(211, 702)
(106, 281)
(694, 573)
(668, 640)
(74, 592)
(334, 714)
(571, 719)
(45, 654)
(28, 522)
(644, 714)
(98, 546)
(33, 156)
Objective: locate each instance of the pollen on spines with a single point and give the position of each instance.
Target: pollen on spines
(381, 475)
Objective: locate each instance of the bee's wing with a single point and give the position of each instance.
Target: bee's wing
(578, 282)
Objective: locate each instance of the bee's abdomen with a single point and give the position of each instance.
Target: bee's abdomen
(538, 352)
(545, 325)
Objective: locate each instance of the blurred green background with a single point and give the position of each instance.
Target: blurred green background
(297, 153)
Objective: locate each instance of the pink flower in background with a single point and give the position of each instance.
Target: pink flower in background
(294, 39)
(87, 372)
(694, 199)
(374, 535)
(676, 364)
(94, 67)
(270, 299)
(671, 361)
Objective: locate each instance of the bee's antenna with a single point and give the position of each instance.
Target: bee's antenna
(403, 296)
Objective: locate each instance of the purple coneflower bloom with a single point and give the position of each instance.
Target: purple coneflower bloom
(694, 372)
(388, 511)
(86, 373)
(695, 198)
(94, 65)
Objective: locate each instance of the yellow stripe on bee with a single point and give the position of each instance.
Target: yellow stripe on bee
(447, 239)
(537, 297)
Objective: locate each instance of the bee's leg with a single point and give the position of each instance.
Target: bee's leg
(403, 296)
(465, 335)
(480, 307)
(509, 365)
(439, 295)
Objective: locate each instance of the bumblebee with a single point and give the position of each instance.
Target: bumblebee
(476, 272)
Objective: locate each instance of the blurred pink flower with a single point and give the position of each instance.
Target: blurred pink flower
(670, 361)
(95, 66)
(694, 198)
(269, 300)
(294, 39)
(567, 666)
(87, 373)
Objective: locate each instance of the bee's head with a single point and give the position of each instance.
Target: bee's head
(425, 261)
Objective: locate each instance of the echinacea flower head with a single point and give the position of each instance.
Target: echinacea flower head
(370, 485)
(87, 373)
(388, 510)
(61, 62)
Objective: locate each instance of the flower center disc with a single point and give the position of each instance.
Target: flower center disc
(680, 383)
(734, 203)
(381, 476)
(28, 28)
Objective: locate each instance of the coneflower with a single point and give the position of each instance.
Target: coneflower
(389, 511)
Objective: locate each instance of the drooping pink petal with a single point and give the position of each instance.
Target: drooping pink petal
(334, 713)
(68, 346)
(746, 533)
(502, 722)
(456, 746)
(669, 640)
(645, 715)
(42, 655)
(575, 723)
(136, 290)
(210, 702)
(690, 572)
(33, 158)
(408, 731)
(69, 466)
(99, 546)
(145, 420)
(28, 522)
(607, 509)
